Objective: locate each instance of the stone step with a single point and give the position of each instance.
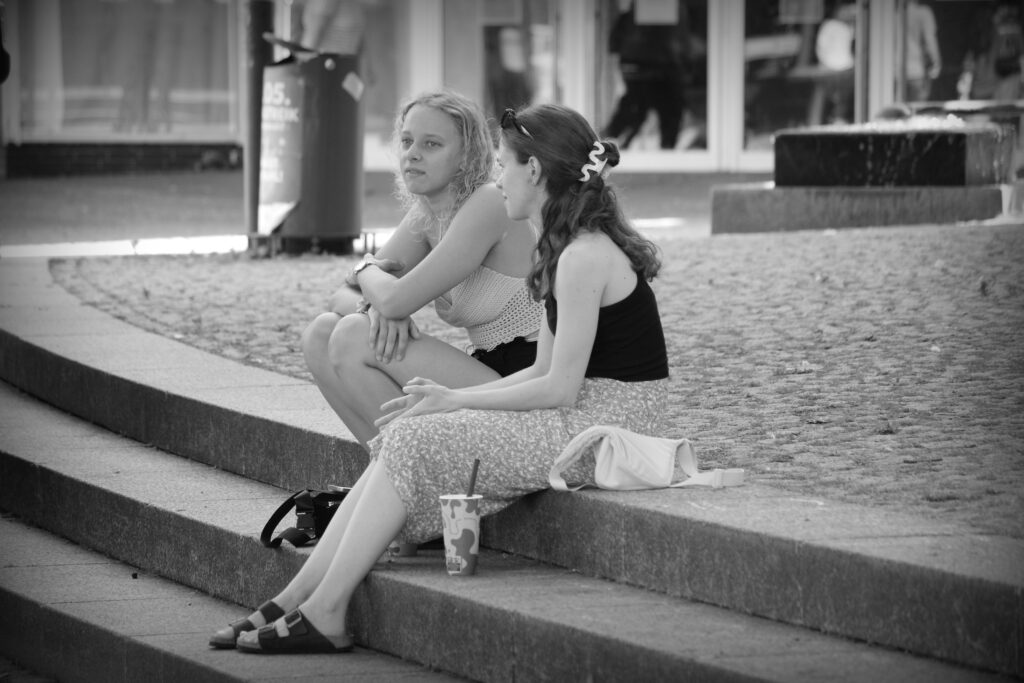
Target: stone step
(197, 526)
(882, 173)
(909, 583)
(769, 207)
(74, 614)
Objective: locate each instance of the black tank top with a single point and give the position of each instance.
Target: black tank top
(630, 344)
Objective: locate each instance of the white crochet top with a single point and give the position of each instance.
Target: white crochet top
(493, 307)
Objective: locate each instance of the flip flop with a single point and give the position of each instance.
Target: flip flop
(226, 637)
(302, 638)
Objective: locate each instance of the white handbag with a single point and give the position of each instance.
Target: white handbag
(627, 461)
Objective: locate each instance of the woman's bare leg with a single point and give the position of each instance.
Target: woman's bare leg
(313, 569)
(373, 520)
(356, 384)
(324, 552)
(344, 301)
(316, 340)
(376, 519)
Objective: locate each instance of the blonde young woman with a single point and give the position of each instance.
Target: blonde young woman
(457, 247)
(601, 359)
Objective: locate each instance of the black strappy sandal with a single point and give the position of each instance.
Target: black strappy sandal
(302, 638)
(225, 638)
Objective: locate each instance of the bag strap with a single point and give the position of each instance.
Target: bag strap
(294, 536)
(297, 537)
(572, 452)
(716, 478)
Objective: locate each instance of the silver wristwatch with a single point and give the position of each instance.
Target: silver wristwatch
(351, 280)
(368, 260)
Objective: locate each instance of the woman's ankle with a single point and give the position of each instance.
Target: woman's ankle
(331, 623)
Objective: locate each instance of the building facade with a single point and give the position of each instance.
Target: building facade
(690, 85)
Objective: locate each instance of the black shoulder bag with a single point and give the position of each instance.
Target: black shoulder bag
(313, 512)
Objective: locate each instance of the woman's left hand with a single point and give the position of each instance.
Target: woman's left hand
(390, 338)
(423, 397)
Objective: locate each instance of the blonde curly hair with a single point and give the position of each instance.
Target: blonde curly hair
(478, 163)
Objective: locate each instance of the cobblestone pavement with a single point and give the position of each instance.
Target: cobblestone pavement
(879, 366)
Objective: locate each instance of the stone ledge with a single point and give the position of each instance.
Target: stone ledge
(901, 154)
(766, 207)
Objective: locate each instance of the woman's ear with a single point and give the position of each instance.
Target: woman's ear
(535, 170)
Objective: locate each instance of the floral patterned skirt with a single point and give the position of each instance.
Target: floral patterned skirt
(431, 455)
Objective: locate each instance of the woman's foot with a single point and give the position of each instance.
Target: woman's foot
(292, 634)
(265, 614)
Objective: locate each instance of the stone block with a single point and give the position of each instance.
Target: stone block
(894, 153)
(765, 207)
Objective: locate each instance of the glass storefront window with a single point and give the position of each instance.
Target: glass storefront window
(110, 68)
(652, 74)
(961, 49)
(799, 62)
(505, 52)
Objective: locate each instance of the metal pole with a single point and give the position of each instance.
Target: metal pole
(5, 58)
(259, 53)
(5, 71)
(862, 61)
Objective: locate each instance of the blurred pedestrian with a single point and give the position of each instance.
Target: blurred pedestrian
(992, 65)
(923, 62)
(654, 61)
(834, 47)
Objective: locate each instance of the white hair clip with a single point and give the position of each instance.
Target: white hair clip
(596, 165)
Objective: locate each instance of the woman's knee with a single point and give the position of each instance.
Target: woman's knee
(316, 337)
(348, 343)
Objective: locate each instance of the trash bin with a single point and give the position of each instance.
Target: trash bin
(311, 152)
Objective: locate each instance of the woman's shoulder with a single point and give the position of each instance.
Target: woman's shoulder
(482, 215)
(487, 195)
(589, 253)
(591, 246)
(485, 204)
(595, 257)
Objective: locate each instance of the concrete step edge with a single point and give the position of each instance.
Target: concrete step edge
(850, 571)
(77, 615)
(517, 619)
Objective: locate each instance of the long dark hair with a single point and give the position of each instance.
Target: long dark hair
(563, 142)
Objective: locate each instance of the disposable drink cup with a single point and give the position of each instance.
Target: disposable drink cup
(460, 515)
